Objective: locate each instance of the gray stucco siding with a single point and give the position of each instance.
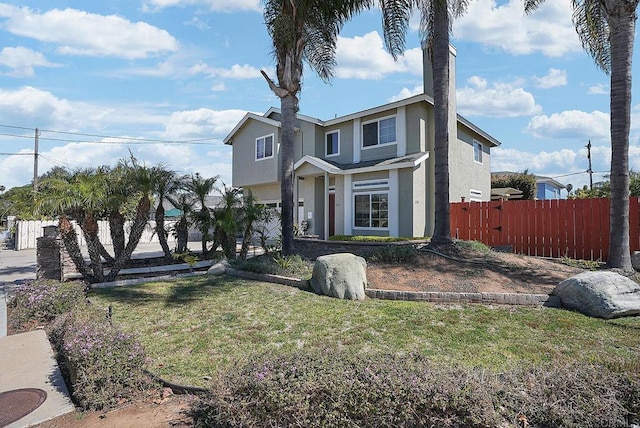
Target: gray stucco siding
(416, 113)
(246, 170)
(406, 202)
(465, 173)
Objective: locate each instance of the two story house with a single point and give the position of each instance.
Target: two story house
(367, 173)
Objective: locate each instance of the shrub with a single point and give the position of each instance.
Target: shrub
(292, 266)
(104, 365)
(330, 389)
(42, 301)
(394, 254)
(363, 238)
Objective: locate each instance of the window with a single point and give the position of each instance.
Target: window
(475, 195)
(372, 210)
(332, 143)
(264, 147)
(477, 151)
(380, 132)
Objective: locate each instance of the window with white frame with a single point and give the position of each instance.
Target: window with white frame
(379, 132)
(264, 147)
(332, 143)
(477, 151)
(371, 210)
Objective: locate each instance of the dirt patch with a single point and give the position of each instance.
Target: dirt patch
(470, 271)
(165, 410)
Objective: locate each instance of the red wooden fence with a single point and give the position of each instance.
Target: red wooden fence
(575, 228)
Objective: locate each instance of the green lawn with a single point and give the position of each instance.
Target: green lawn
(194, 327)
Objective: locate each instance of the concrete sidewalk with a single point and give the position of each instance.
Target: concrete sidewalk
(27, 361)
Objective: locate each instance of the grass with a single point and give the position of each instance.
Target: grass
(194, 328)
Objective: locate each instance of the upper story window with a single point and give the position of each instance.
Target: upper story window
(477, 151)
(332, 143)
(264, 147)
(381, 131)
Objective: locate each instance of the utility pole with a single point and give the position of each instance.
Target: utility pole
(590, 171)
(35, 162)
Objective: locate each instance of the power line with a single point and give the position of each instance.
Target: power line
(130, 140)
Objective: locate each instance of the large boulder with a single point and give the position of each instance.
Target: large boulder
(342, 275)
(219, 268)
(600, 294)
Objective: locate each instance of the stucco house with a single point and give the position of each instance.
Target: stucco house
(366, 173)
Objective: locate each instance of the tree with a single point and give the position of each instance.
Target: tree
(522, 181)
(227, 220)
(252, 216)
(307, 30)
(606, 29)
(165, 183)
(200, 188)
(185, 203)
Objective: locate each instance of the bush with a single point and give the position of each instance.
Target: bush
(363, 238)
(330, 389)
(42, 301)
(292, 266)
(394, 254)
(104, 366)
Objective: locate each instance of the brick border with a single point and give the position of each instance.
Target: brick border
(519, 299)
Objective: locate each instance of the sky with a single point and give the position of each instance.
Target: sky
(167, 80)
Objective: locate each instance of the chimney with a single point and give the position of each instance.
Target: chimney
(427, 73)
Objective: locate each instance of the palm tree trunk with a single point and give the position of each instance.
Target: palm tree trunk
(162, 234)
(116, 229)
(139, 224)
(182, 235)
(289, 107)
(89, 228)
(442, 223)
(621, 34)
(70, 240)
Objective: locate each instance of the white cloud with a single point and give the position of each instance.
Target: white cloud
(406, 93)
(82, 33)
(565, 165)
(202, 122)
(548, 30)
(213, 5)
(598, 89)
(574, 124)
(365, 58)
(553, 79)
(479, 98)
(236, 71)
(219, 87)
(22, 61)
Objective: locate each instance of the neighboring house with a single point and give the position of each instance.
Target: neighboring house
(546, 187)
(367, 173)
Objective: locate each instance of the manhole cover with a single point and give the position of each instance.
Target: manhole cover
(18, 403)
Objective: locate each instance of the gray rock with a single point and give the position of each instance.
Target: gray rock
(342, 275)
(635, 260)
(600, 294)
(219, 268)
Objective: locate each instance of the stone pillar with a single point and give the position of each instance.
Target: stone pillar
(48, 258)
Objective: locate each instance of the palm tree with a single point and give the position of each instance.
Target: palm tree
(308, 30)
(606, 29)
(200, 188)
(79, 195)
(183, 202)
(165, 183)
(226, 219)
(252, 215)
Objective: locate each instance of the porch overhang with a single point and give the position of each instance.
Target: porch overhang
(321, 166)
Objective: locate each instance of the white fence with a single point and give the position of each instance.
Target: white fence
(27, 232)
